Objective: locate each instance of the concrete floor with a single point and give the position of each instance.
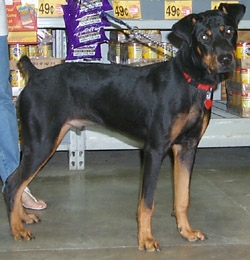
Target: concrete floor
(92, 214)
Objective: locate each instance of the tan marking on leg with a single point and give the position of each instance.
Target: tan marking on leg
(178, 126)
(205, 122)
(18, 214)
(181, 198)
(16, 218)
(181, 121)
(145, 237)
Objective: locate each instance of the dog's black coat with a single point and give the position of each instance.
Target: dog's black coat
(154, 104)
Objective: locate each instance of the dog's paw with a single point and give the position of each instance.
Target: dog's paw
(30, 219)
(149, 244)
(192, 235)
(20, 233)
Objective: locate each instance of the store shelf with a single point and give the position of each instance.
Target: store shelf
(224, 130)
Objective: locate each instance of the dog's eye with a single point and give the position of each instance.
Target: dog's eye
(229, 31)
(204, 37)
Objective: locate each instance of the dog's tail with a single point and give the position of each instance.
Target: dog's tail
(26, 67)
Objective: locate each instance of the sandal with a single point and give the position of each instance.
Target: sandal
(35, 204)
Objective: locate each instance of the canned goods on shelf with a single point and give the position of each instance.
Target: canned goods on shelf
(45, 49)
(149, 51)
(245, 76)
(239, 50)
(153, 31)
(16, 79)
(114, 52)
(243, 50)
(246, 101)
(165, 50)
(32, 50)
(123, 53)
(17, 51)
(134, 51)
(154, 34)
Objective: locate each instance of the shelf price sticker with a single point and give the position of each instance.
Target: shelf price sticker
(215, 4)
(177, 9)
(50, 8)
(127, 9)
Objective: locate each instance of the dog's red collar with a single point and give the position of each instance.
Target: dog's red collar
(199, 86)
(209, 88)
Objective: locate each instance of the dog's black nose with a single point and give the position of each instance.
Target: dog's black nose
(225, 59)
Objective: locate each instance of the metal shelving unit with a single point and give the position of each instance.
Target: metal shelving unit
(224, 130)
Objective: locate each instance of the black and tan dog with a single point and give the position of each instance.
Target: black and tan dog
(166, 105)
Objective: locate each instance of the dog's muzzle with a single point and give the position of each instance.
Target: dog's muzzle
(226, 62)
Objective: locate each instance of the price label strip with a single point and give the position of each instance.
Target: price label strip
(50, 8)
(177, 9)
(127, 9)
(215, 4)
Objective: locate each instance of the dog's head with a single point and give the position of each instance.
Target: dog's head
(212, 35)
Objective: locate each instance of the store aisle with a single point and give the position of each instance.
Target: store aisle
(91, 214)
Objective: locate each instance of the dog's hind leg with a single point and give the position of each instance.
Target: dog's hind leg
(16, 213)
(35, 156)
(183, 164)
(151, 166)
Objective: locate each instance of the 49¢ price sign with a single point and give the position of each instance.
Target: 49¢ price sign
(127, 9)
(177, 9)
(215, 4)
(50, 8)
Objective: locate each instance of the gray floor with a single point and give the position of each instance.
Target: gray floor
(92, 214)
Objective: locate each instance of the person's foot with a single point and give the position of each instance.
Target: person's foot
(30, 202)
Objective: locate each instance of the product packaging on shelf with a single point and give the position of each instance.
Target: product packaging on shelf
(238, 86)
(85, 22)
(22, 23)
(238, 98)
(139, 50)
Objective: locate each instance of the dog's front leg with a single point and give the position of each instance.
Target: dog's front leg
(183, 164)
(151, 165)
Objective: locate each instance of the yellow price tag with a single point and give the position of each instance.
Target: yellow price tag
(215, 4)
(127, 9)
(50, 8)
(177, 9)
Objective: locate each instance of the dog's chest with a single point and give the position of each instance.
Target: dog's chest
(184, 123)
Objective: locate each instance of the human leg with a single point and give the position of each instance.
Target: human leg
(9, 150)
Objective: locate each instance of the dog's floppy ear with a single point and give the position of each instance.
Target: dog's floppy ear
(184, 28)
(235, 11)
